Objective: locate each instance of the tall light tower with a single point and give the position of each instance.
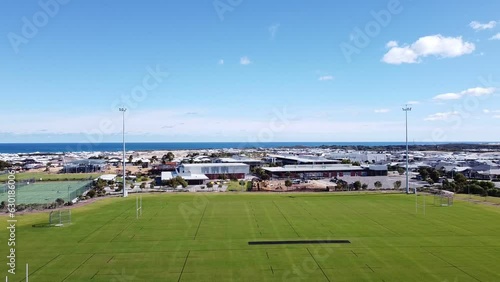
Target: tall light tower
(406, 109)
(123, 110)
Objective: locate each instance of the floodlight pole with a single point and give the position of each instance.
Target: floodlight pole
(406, 109)
(123, 110)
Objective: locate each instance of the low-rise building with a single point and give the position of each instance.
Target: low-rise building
(216, 170)
(324, 171)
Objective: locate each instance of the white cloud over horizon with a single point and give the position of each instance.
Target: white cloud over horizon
(180, 126)
(381, 111)
(433, 45)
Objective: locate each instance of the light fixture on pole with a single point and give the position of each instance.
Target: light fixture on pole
(123, 110)
(406, 109)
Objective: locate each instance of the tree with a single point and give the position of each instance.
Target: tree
(397, 184)
(487, 185)
(143, 185)
(181, 181)
(460, 182)
(210, 184)
(341, 185)
(356, 163)
(377, 184)
(59, 202)
(154, 159)
(423, 173)
(401, 170)
(130, 158)
(357, 185)
(435, 175)
(345, 161)
(364, 186)
(288, 183)
(4, 165)
(91, 193)
(170, 156)
(100, 184)
(261, 173)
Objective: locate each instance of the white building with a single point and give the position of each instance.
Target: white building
(216, 170)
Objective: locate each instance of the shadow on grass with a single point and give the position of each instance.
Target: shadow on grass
(44, 225)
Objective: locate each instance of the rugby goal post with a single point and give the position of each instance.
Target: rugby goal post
(138, 206)
(60, 217)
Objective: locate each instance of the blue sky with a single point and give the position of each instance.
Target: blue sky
(240, 70)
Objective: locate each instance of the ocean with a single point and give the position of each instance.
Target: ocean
(152, 146)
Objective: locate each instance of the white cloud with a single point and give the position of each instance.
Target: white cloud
(433, 45)
(480, 26)
(400, 55)
(325, 78)
(496, 116)
(486, 111)
(495, 37)
(391, 44)
(448, 96)
(441, 116)
(476, 92)
(273, 30)
(381, 111)
(220, 62)
(245, 60)
(413, 103)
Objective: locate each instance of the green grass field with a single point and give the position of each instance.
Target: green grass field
(204, 237)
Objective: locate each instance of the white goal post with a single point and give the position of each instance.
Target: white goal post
(443, 198)
(138, 206)
(60, 217)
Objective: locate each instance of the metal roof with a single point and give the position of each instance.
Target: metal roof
(296, 168)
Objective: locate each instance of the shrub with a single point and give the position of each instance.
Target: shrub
(91, 193)
(493, 192)
(59, 201)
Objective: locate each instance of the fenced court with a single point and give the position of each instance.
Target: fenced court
(46, 192)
